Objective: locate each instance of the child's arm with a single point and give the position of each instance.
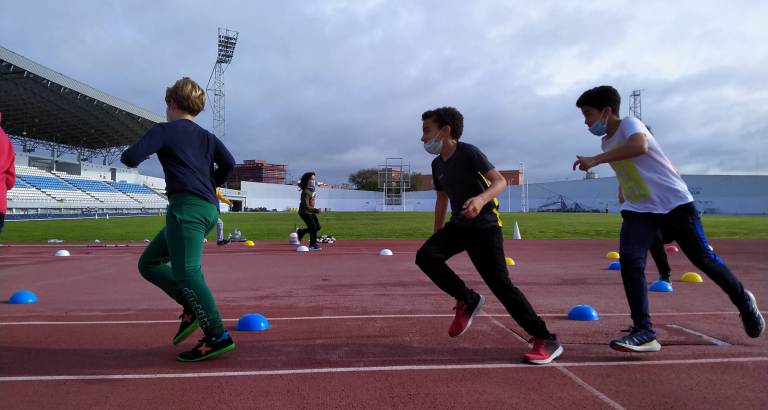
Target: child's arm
(441, 207)
(474, 205)
(150, 143)
(225, 162)
(222, 198)
(6, 151)
(636, 145)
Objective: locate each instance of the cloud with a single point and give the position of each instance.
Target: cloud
(335, 86)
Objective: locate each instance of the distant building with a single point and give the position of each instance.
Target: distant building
(513, 177)
(337, 186)
(258, 171)
(423, 183)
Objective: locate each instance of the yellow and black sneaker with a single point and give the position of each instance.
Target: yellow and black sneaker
(638, 340)
(188, 325)
(207, 348)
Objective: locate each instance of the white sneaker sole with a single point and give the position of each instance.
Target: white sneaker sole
(653, 346)
(472, 316)
(551, 357)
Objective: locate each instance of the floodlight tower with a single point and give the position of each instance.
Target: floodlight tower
(635, 106)
(227, 42)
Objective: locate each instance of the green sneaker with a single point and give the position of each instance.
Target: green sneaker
(207, 348)
(188, 325)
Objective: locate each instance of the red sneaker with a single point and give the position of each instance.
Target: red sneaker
(543, 351)
(464, 315)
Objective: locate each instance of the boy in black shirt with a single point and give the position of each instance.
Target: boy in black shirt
(463, 175)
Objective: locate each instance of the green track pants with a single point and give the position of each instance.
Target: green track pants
(188, 221)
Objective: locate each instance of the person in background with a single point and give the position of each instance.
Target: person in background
(307, 210)
(220, 224)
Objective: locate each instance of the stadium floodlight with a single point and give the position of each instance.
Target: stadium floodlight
(227, 40)
(227, 45)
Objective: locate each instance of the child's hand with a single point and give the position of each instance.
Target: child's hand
(584, 163)
(472, 207)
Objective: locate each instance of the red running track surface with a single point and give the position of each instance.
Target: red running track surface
(351, 329)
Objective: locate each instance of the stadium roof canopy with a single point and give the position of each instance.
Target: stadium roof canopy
(42, 105)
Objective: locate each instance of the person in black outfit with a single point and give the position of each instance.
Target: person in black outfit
(307, 210)
(463, 175)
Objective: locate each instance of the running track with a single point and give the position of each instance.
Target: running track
(351, 329)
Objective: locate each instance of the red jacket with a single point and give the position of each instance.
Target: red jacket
(7, 169)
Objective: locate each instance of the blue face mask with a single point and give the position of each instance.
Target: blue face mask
(599, 128)
(434, 145)
(312, 184)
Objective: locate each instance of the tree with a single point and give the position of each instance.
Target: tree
(366, 179)
(415, 181)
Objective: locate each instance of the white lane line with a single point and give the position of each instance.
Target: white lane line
(510, 331)
(330, 370)
(590, 388)
(122, 322)
(708, 338)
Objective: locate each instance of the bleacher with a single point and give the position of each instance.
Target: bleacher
(37, 188)
(138, 192)
(23, 192)
(54, 186)
(99, 190)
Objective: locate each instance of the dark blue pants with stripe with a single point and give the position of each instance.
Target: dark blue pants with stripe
(638, 232)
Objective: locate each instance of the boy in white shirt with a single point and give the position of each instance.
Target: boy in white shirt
(657, 199)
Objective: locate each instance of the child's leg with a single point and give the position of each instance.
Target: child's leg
(685, 225)
(431, 259)
(307, 221)
(219, 230)
(153, 266)
(189, 220)
(638, 231)
(314, 227)
(659, 256)
(486, 250)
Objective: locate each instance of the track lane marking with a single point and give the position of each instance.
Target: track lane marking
(340, 317)
(328, 370)
(588, 387)
(713, 340)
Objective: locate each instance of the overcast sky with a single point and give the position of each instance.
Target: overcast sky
(335, 86)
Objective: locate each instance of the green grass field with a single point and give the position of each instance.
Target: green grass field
(362, 225)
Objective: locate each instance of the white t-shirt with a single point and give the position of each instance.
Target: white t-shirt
(649, 181)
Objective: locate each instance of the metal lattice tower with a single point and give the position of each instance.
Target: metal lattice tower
(227, 41)
(394, 180)
(635, 105)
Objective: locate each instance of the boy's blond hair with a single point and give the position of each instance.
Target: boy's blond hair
(187, 95)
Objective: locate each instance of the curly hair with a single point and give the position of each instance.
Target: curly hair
(446, 116)
(305, 179)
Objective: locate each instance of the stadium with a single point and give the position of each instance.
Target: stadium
(355, 324)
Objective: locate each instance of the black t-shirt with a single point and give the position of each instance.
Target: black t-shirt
(187, 153)
(462, 177)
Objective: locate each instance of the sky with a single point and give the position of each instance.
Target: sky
(337, 86)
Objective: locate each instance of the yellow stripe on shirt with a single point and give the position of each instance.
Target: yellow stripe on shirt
(495, 200)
